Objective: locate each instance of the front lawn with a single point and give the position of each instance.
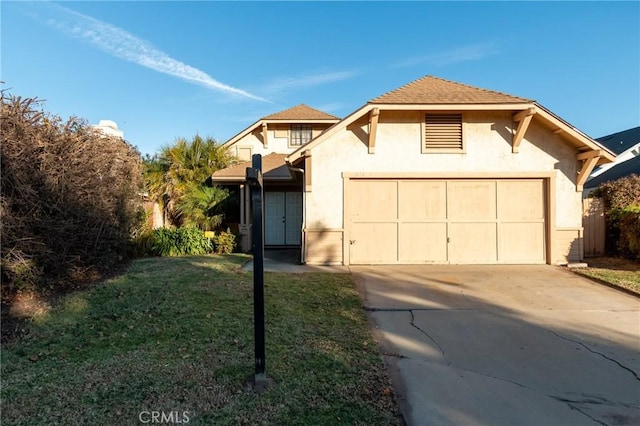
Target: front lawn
(615, 271)
(175, 336)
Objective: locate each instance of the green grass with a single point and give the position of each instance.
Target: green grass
(176, 335)
(615, 271)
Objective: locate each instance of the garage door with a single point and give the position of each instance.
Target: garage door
(446, 221)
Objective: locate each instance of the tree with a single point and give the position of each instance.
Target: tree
(179, 178)
(70, 198)
(201, 206)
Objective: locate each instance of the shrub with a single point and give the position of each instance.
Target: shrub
(629, 231)
(180, 242)
(224, 242)
(69, 198)
(620, 193)
(622, 211)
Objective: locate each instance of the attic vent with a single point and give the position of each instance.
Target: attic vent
(443, 133)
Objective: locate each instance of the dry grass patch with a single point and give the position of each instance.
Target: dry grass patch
(615, 271)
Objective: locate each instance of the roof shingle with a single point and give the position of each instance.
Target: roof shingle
(273, 167)
(434, 90)
(621, 141)
(301, 112)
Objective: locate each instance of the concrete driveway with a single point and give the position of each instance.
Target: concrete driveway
(505, 345)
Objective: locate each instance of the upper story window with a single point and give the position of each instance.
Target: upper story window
(300, 134)
(443, 133)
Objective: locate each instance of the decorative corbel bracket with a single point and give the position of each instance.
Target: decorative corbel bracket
(590, 160)
(265, 141)
(373, 128)
(307, 170)
(523, 118)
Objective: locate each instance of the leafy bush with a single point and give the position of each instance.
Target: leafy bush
(622, 211)
(142, 244)
(620, 193)
(224, 242)
(629, 230)
(69, 198)
(180, 242)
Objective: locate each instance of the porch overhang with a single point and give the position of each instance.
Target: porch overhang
(274, 169)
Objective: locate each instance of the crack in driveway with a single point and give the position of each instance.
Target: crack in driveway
(573, 406)
(619, 364)
(429, 337)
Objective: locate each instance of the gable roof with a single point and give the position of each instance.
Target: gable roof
(297, 114)
(430, 93)
(621, 141)
(623, 169)
(434, 90)
(274, 167)
(301, 112)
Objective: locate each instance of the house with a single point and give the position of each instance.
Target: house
(432, 172)
(626, 146)
(109, 128)
(274, 136)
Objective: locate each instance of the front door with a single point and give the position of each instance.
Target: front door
(283, 218)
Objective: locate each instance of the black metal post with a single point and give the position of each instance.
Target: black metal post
(254, 178)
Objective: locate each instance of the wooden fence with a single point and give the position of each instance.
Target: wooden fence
(594, 226)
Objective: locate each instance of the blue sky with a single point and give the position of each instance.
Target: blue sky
(164, 70)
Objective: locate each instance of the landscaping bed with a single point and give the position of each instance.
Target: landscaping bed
(175, 336)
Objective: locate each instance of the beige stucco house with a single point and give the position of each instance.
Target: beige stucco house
(432, 172)
(274, 136)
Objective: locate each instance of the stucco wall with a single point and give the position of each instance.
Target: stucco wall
(398, 149)
(277, 140)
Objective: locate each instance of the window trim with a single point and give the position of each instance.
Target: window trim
(423, 131)
(302, 127)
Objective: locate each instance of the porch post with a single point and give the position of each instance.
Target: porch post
(242, 218)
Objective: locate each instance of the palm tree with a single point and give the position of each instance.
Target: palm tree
(201, 206)
(178, 170)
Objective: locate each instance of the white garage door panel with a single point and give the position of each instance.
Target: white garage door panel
(374, 243)
(422, 200)
(521, 243)
(472, 243)
(374, 201)
(471, 200)
(521, 200)
(422, 243)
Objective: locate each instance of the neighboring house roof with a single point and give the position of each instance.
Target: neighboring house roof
(621, 141)
(434, 90)
(621, 170)
(625, 144)
(297, 114)
(433, 93)
(301, 112)
(274, 167)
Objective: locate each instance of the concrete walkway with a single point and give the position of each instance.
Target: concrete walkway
(505, 345)
(288, 260)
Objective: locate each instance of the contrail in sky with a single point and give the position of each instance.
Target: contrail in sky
(124, 45)
(308, 81)
(455, 55)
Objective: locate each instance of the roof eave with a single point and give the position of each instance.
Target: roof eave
(567, 130)
(300, 120)
(298, 153)
(514, 106)
(242, 134)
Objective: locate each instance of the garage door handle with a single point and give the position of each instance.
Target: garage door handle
(448, 239)
(352, 242)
